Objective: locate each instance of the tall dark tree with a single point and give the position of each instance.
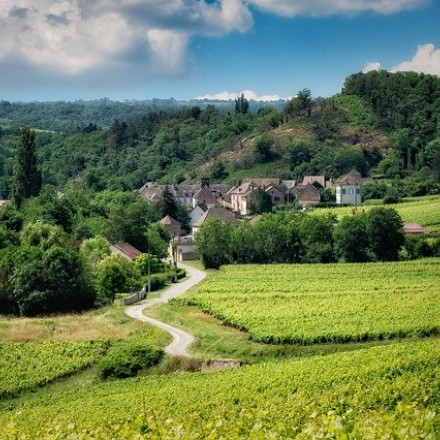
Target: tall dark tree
(26, 179)
(241, 105)
(168, 204)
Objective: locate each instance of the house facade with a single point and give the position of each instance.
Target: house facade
(349, 189)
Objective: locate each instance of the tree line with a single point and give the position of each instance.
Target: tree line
(288, 237)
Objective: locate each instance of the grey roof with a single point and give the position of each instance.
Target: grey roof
(217, 212)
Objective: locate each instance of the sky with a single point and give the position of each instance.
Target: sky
(142, 49)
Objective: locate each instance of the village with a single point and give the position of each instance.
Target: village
(231, 204)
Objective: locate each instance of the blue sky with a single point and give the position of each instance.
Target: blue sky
(140, 49)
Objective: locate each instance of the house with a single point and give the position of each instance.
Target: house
(173, 227)
(313, 179)
(125, 250)
(414, 229)
(185, 248)
(184, 194)
(151, 192)
(197, 212)
(216, 212)
(348, 189)
(276, 194)
(307, 195)
(240, 197)
(226, 199)
(204, 195)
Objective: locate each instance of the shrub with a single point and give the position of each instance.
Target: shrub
(128, 360)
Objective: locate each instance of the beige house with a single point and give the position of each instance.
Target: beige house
(349, 189)
(240, 197)
(313, 179)
(276, 194)
(173, 227)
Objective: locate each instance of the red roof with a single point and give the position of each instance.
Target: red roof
(414, 228)
(127, 250)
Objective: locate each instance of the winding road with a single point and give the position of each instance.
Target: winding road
(181, 339)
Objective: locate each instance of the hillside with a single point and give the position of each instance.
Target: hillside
(174, 143)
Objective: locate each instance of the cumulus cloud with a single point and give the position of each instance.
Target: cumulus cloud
(76, 37)
(370, 66)
(426, 60)
(101, 40)
(248, 94)
(291, 8)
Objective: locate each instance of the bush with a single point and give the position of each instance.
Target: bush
(128, 360)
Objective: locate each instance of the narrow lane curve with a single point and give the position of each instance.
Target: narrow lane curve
(181, 339)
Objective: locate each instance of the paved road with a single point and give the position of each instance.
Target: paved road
(181, 339)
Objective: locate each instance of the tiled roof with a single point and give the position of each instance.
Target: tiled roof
(217, 212)
(126, 250)
(414, 228)
(352, 178)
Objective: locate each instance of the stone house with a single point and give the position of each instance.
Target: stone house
(276, 194)
(307, 195)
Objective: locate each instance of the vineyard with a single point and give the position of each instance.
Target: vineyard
(423, 210)
(30, 364)
(388, 391)
(309, 304)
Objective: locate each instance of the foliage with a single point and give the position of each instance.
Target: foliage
(94, 250)
(241, 105)
(263, 147)
(27, 365)
(384, 228)
(309, 304)
(213, 243)
(26, 180)
(388, 391)
(116, 275)
(260, 202)
(128, 360)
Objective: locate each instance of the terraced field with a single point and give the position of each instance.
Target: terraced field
(388, 391)
(309, 304)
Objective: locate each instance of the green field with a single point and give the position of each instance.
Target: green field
(422, 210)
(26, 365)
(382, 392)
(309, 304)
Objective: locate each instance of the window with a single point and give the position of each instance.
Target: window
(277, 199)
(351, 191)
(344, 191)
(358, 190)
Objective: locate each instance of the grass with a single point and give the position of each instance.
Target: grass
(106, 323)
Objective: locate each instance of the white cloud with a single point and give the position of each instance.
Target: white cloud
(426, 60)
(75, 36)
(107, 39)
(292, 8)
(248, 94)
(370, 66)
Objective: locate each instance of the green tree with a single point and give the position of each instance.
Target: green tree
(260, 202)
(384, 229)
(213, 243)
(94, 250)
(116, 275)
(168, 204)
(241, 105)
(263, 147)
(432, 155)
(316, 234)
(351, 242)
(26, 179)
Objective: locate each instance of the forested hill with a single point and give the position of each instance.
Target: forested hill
(385, 125)
(68, 117)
